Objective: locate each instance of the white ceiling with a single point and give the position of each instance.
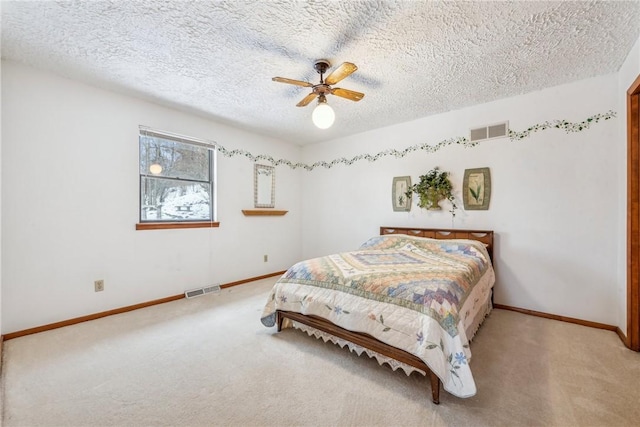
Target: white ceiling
(415, 58)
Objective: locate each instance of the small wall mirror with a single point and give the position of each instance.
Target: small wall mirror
(264, 186)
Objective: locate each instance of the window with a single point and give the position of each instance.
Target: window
(177, 182)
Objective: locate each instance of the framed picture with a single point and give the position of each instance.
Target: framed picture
(476, 189)
(401, 203)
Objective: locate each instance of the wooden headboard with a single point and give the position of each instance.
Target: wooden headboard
(484, 236)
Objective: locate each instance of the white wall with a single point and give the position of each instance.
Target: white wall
(62, 141)
(1, 209)
(70, 204)
(629, 71)
(554, 204)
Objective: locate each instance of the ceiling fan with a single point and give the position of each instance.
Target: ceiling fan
(323, 88)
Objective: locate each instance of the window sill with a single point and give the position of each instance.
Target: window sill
(170, 225)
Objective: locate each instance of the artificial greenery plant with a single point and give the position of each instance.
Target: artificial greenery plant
(433, 187)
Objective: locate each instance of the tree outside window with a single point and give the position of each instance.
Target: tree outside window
(176, 179)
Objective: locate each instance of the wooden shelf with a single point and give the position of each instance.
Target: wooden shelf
(263, 212)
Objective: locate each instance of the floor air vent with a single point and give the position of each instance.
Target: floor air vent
(202, 291)
(498, 130)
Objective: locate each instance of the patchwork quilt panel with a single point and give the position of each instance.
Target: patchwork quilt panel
(410, 292)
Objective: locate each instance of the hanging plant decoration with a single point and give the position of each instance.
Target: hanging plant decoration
(433, 187)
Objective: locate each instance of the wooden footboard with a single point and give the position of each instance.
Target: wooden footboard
(366, 341)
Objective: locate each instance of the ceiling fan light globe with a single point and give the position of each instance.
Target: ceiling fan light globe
(155, 169)
(323, 116)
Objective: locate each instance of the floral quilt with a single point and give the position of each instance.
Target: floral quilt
(409, 292)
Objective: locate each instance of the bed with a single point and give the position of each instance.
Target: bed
(412, 298)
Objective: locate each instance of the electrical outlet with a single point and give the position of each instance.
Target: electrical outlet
(266, 258)
(99, 285)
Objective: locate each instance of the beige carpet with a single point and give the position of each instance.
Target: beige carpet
(209, 361)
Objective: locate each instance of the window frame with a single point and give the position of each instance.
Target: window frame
(212, 181)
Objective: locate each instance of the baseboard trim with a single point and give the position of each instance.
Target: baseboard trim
(120, 310)
(561, 318)
(622, 336)
(252, 279)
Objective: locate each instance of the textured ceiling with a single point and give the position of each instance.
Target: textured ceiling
(415, 58)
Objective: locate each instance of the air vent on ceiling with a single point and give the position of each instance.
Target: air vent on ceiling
(202, 291)
(498, 130)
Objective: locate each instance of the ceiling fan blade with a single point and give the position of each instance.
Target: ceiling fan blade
(307, 99)
(345, 69)
(348, 94)
(292, 82)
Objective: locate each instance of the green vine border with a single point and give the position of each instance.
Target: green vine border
(426, 147)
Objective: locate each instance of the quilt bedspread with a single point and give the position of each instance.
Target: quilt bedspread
(412, 293)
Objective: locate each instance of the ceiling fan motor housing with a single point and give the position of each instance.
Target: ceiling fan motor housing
(321, 66)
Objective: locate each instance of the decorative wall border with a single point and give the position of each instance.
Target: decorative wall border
(565, 125)
(568, 127)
